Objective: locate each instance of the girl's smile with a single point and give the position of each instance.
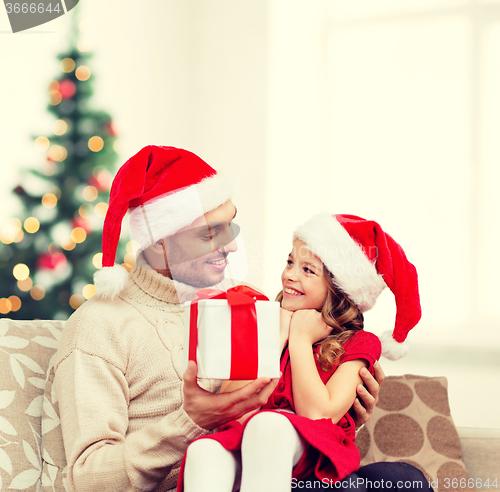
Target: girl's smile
(304, 285)
(290, 291)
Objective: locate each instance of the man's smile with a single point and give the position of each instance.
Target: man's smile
(217, 264)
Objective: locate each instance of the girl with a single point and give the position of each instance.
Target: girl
(337, 268)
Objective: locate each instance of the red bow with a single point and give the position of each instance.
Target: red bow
(236, 296)
(244, 341)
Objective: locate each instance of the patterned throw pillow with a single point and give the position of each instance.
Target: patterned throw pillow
(412, 423)
(27, 351)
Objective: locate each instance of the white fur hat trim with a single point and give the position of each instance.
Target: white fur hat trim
(168, 214)
(352, 270)
(391, 349)
(110, 281)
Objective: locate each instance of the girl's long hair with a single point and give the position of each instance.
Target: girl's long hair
(343, 316)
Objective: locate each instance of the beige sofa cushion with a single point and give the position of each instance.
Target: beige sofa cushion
(481, 455)
(412, 423)
(27, 350)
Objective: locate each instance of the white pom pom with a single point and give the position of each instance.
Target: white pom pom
(391, 349)
(110, 281)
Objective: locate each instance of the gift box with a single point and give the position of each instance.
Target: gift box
(233, 335)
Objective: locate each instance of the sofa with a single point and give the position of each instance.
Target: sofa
(412, 422)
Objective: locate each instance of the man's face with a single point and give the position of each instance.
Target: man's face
(197, 254)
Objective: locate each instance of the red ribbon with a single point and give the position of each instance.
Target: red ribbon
(244, 338)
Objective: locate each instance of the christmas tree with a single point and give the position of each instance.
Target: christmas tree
(48, 255)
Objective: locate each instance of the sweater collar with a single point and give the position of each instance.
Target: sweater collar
(158, 288)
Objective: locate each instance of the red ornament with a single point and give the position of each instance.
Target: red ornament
(19, 190)
(81, 222)
(67, 89)
(48, 261)
(102, 180)
(109, 128)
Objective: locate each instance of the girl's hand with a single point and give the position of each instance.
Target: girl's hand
(285, 319)
(308, 326)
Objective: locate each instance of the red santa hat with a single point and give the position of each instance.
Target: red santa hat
(363, 260)
(165, 189)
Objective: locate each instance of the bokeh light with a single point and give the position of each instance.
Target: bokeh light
(89, 291)
(25, 285)
(42, 144)
(60, 127)
(96, 144)
(16, 303)
(54, 85)
(18, 237)
(21, 271)
(83, 73)
(78, 235)
(15, 223)
(12, 233)
(68, 244)
(97, 260)
(90, 193)
(49, 200)
(58, 153)
(5, 306)
(100, 209)
(76, 300)
(55, 98)
(37, 292)
(67, 65)
(31, 225)
(6, 237)
(85, 210)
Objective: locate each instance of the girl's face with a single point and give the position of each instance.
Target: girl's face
(304, 284)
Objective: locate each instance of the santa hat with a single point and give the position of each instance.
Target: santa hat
(165, 189)
(363, 260)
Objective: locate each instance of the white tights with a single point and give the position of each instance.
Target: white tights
(270, 448)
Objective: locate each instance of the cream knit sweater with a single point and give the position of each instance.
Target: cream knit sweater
(119, 384)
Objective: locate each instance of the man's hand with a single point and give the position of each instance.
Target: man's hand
(368, 395)
(210, 410)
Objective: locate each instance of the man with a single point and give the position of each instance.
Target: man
(127, 412)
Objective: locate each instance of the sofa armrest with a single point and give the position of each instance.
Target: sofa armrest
(481, 452)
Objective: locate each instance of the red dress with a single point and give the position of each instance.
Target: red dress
(330, 450)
